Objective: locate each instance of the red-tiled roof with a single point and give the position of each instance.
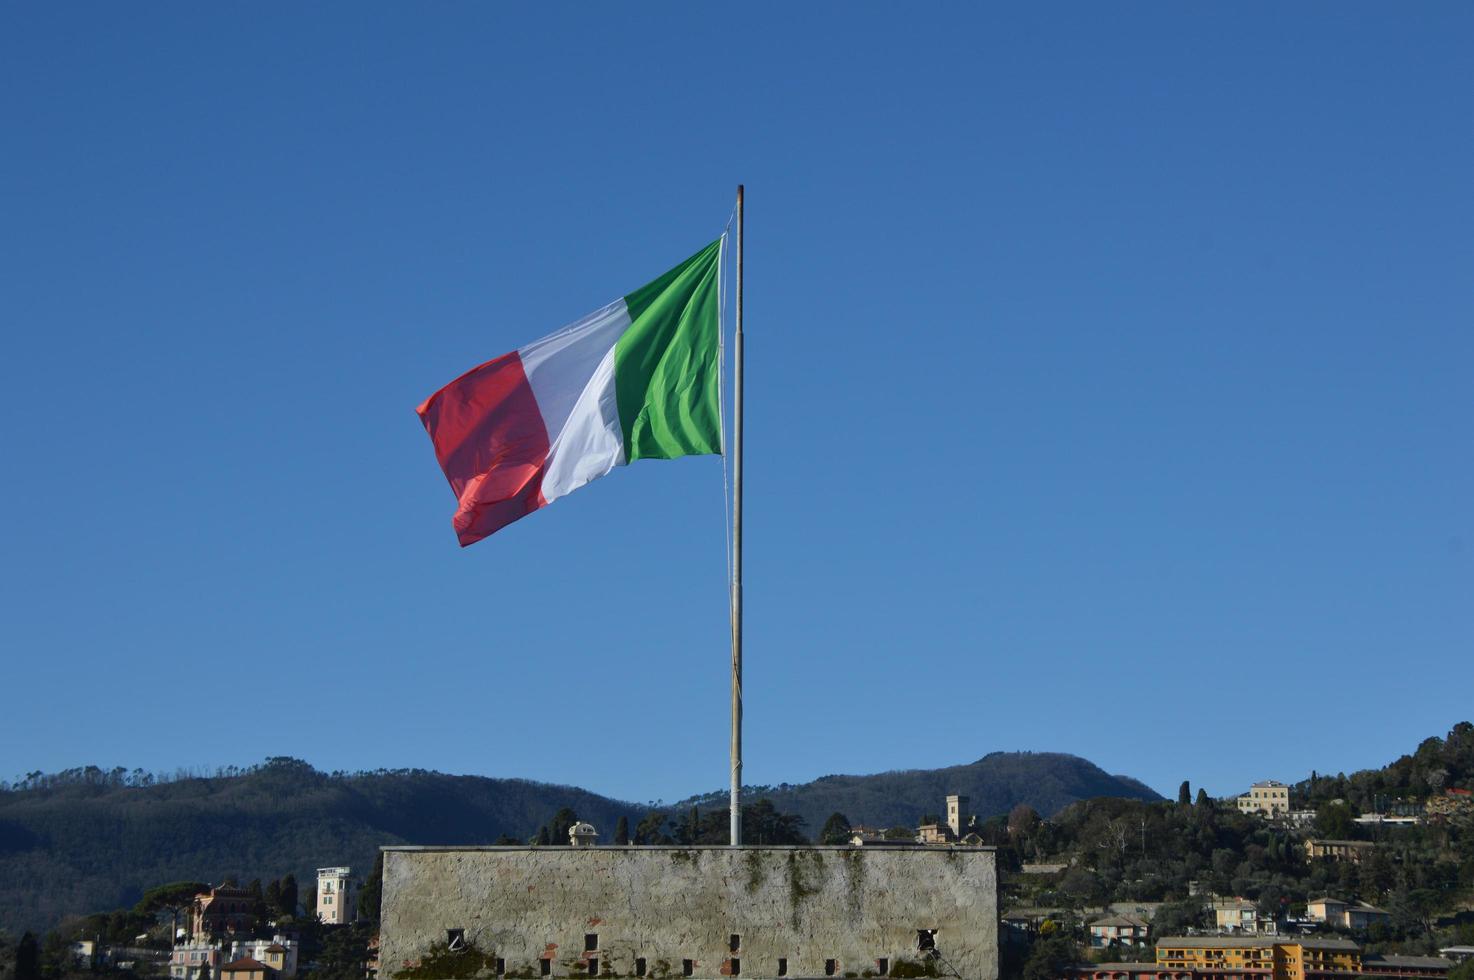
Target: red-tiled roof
(244, 963)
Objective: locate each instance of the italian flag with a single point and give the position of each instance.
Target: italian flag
(637, 379)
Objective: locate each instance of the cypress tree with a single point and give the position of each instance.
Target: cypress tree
(288, 902)
(27, 958)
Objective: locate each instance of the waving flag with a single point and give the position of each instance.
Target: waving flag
(637, 379)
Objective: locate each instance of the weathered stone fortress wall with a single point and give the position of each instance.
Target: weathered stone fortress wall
(855, 906)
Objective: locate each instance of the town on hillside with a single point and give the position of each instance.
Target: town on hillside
(1328, 878)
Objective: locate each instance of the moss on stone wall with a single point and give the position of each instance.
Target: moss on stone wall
(444, 963)
(757, 872)
(854, 870)
(804, 870)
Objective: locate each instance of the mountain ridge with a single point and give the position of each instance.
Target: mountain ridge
(90, 839)
(995, 783)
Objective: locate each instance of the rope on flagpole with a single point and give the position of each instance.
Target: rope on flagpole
(722, 391)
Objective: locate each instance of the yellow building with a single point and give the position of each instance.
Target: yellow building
(1271, 798)
(1260, 958)
(247, 969)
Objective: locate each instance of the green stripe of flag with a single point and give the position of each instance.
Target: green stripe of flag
(667, 364)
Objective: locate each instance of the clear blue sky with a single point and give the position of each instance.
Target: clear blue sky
(1109, 385)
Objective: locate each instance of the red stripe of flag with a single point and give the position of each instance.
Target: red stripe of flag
(491, 441)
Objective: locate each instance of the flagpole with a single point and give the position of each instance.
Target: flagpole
(737, 548)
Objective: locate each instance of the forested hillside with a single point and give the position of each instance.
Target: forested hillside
(90, 840)
(1114, 850)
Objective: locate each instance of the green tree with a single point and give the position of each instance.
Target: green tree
(258, 901)
(563, 822)
(1203, 799)
(370, 895)
(1176, 918)
(1335, 820)
(543, 837)
(651, 830)
(622, 830)
(289, 895)
(762, 823)
(27, 958)
(1184, 794)
(1413, 910)
(1051, 957)
(836, 830)
(345, 952)
(1080, 886)
(204, 973)
(173, 898)
(1023, 820)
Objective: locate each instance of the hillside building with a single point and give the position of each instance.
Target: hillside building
(1260, 958)
(1405, 967)
(1270, 798)
(278, 953)
(337, 896)
(186, 960)
(956, 814)
(1239, 915)
(246, 969)
(222, 910)
(1337, 850)
(1396, 967)
(1344, 915)
(956, 829)
(1119, 930)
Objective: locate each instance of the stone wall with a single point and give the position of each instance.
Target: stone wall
(855, 911)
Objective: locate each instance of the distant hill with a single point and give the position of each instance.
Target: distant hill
(89, 840)
(89, 843)
(1047, 781)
